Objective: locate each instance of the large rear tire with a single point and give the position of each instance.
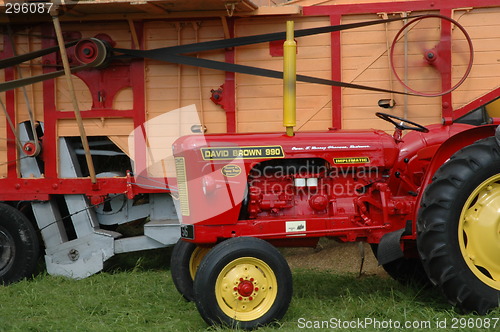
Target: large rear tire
(243, 283)
(407, 271)
(458, 228)
(19, 247)
(186, 257)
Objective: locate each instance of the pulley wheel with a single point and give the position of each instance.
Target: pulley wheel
(419, 55)
(91, 51)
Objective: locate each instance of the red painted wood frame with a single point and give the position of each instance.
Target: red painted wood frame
(10, 105)
(445, 7)
(15, 188)
(230, 85)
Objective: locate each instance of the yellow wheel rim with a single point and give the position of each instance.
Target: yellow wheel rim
(479, 232)
(246, 289)
(195, 260)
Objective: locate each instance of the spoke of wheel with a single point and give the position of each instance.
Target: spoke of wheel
(482, 226)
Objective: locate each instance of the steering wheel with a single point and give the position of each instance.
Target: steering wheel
(402, 125)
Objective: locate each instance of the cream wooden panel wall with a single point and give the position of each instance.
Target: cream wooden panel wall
(24, 44)
(483, 26)
(365, 61)
(260, 99)
(169, 87)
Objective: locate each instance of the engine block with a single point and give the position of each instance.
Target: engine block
(306, 187)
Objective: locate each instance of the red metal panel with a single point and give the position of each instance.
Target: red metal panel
(49, 146)
(230, 86)
(10, 104)
(137, 79)
(336, 73)
(445, 55)
(109, 113)
(41, 189)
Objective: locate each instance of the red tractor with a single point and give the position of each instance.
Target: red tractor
(427, 202)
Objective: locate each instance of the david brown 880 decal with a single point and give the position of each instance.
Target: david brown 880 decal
(242, 152)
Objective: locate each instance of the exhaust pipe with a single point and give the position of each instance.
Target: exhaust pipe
(289, 79)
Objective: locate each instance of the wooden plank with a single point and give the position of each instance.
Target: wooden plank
(96, 127)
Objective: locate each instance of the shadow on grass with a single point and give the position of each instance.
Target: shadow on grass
(331, 286)
(158, 259)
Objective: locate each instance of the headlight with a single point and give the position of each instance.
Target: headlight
(208, 184)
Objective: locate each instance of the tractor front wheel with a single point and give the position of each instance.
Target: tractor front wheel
(243, 283)
(458, 229)
(186, 257)
(19, 248)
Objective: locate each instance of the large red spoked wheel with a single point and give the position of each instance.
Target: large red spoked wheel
(420, 55)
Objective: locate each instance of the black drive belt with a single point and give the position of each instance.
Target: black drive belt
(173, 54)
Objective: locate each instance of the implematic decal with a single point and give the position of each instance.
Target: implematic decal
(231, 171)
(351, 160)
(243, 152)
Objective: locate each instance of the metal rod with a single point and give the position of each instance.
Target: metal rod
(289, 79)
(25, 93)
(76, 108)
(405, 110)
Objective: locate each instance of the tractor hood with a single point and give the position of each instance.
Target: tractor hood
(338, 147)
(212, 170)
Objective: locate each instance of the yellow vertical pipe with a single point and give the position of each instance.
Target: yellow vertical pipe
(289, 79)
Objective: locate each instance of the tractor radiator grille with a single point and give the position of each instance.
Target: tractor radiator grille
(180, 169)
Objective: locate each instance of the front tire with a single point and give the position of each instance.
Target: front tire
(244, 283)
(458, 228)
(186, 257)
(19, 247)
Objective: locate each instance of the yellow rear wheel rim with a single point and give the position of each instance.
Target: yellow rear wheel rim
(479, 232)
(246, 289)
(195, 260)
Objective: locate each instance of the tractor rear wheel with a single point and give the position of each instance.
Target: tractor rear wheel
(407, 271)
(458, 229)
(186, 257)
(243, 283)
(19, 248)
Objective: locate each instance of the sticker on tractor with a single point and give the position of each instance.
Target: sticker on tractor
(295, 226)
(351, 160)
(231, 171)
(242, 152)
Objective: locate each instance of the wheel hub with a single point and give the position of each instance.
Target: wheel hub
(479, 232)
(7, 250)
(246, 288)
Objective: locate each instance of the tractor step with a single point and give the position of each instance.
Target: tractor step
(166, 231)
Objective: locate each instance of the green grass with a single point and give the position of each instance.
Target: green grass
(136, 293)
